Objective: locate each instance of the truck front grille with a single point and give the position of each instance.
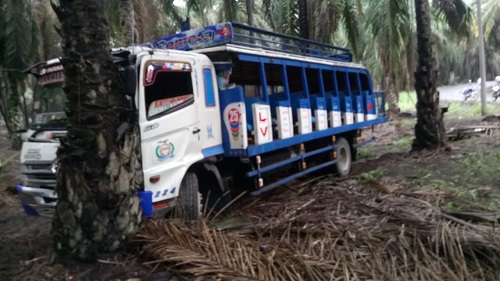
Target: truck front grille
(38, 175)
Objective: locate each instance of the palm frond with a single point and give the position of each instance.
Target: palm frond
(350, 21)
(456, 13)
(491, 21)
(18, 38)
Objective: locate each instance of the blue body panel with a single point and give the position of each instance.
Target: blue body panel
(146, 203)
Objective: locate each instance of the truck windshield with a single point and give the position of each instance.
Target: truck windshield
(48, 105)
(167, 91)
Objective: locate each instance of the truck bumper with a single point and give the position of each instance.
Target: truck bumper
(37, 201)
(42, 202)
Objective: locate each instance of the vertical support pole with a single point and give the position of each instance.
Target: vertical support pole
(321, 83)
(263, 82)
(285, 82)
(303, 165)
(304, 82)
(482, 63)
(335, 84)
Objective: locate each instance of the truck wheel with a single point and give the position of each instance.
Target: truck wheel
(189, 202)
(344, 160)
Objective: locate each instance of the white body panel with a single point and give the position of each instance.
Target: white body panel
(39, 152)
(335, 119)
(236, 124)
(359, 117)
(321, 119)
(285, 122)
(369, 117)
(348, 118)
(262, 123)
(305, 120)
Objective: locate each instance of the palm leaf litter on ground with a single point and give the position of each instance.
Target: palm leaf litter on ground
(328, 230)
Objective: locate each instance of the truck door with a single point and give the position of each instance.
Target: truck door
(169, 121)
(210, 122)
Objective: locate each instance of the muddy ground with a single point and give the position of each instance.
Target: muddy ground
(468, 173)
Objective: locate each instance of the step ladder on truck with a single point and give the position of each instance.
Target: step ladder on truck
(230, 106)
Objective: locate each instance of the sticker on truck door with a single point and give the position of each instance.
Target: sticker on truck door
(164, 150)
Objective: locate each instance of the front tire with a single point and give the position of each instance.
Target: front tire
(344, 157)
(189, 205)
(474, 96)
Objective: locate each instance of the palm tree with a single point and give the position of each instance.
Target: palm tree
(17, 50)
(391, 26)
(429, 130)
(324, 18)
(97, 208)
(127, 21)
(249, 4)
(303, 21)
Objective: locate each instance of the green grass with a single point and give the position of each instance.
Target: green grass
(472, 181)
(404, 143)
(408, 100)
(372, 175)
(471, 110)
(363, 153)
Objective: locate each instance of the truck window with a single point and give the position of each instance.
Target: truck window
(365, 84)
(328, 80)
(294, 75)
(353, 82)
(209, 87)
(170, 91)
(341, 81)
(313, 81)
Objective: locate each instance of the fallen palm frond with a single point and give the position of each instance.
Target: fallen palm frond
(329, 231)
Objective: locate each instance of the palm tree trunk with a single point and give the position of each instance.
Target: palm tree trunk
(303, 21)
(25, 110)
(389, 85)
(249, 12)
(249, 4)
(97, 208)
(429, 130)
(127, 21)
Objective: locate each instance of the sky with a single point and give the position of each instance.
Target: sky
(180, 3)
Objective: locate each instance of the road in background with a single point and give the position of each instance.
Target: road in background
(454, 93)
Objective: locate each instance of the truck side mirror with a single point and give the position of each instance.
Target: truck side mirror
(130, 81)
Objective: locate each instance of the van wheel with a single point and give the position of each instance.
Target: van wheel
(189, 202)
(344, 160)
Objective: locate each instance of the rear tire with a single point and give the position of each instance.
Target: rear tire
(189, 205)
(344, 158)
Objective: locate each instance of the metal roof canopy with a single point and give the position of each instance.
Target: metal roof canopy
(246, 62)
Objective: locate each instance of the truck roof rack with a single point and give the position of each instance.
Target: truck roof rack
(245, 35)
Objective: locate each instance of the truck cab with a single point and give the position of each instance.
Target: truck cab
(41, 140)
(179, 118)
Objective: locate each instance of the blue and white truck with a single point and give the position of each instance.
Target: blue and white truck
(227, 107)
